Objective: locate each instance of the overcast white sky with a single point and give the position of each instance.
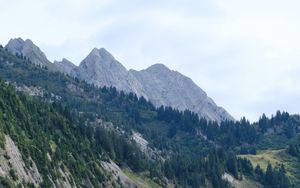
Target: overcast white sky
(244, 54)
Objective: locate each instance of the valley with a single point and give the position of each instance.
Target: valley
(77, 132)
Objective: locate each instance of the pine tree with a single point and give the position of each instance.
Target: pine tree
(268, 182)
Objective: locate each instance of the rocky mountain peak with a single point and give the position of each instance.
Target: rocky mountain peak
(64, 61)
(28, 49)
(99, 56)
(29, 42)
(102, 63)
(157, 83)
(101, 69)
(17, 43)
(158, 67)
(65, 66)
(101, 52)
(170, 88)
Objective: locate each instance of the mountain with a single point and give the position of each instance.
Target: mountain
(65, 66)
(170, 88)
(78, 135)
(102, 69)
(158, 84)
(28, 49)
(58, 131)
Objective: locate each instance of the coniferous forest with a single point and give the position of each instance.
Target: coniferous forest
(74, 127)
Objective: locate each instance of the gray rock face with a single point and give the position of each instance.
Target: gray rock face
(14, 161)
(29, 50)
(158, 84)
(102, 69)
(65, 66)
(170, 88)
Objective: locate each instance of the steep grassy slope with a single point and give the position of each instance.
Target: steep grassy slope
(276, 158)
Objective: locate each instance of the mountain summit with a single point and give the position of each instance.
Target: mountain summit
(102, 69)
(65, 65)
(158, 83)
(170, 88)
(28, 49)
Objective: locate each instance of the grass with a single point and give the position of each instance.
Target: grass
(53, 146)
(263, 158)
(275, 158)
(141, 180)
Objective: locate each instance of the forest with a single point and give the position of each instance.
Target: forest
(193, 152)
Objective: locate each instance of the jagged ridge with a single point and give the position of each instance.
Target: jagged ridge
(157, 83)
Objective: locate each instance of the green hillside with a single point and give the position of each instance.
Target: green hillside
(78, 134)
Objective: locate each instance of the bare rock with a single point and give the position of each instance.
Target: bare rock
(157, 83)
(28, 49)
(65, 66)
(170, 88)
(102, 69)
(11, 160)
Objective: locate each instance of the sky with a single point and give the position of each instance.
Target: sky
(244, 54)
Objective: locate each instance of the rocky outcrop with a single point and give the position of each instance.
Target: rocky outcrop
(170, 88)
(66, 179)
(143, 145)
(118, 174)
(158, 84)
(11, 162)
(102, 69)
(65, 66)
(28, 49)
